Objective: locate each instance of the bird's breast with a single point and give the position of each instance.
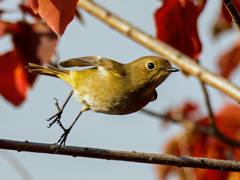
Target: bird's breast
(109, 95)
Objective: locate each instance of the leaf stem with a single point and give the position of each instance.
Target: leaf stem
(233, 12)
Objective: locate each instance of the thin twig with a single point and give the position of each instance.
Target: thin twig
(185, 123)
(191, 125)
(16, 164)
(185, 63)
(209, 107)
(215, 131)
(233, 12)
(180, 161)
(213, 128)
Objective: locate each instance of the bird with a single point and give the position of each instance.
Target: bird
(108, 87)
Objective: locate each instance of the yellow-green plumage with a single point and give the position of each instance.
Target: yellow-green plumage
(111, 87)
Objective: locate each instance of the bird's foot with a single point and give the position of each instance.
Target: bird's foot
(56, 118)
(63, 138)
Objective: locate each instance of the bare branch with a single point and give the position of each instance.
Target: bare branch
(185, 63)
(180, 161)
(233, 12)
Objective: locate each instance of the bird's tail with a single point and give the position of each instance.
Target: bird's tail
(48, 71)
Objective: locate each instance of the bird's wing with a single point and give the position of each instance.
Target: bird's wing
(99, 62)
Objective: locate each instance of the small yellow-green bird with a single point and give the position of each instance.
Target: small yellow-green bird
(109, 87)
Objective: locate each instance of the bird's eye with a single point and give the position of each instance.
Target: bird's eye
(151, 66)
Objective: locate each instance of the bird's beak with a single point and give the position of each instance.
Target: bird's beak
(171, 69)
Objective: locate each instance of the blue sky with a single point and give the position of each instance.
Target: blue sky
(138, 132)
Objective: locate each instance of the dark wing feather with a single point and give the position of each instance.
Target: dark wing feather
(96, 61)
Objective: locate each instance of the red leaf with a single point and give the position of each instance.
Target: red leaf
(45, 41)
(34, 5)
(229, 61)
(13, 81)
(228, 121)
(224, 20)
(197, 144)
(187, 110)
(33, 43)
(225, 12)
(2, 28)
(171, 148)
(176, 23)
(57, 13)
(27, 9)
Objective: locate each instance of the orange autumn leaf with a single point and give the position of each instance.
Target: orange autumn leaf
(229, 61)
(176, 24)
(199, 145)
(203, 145)
(13, 81)
(234, 176)
(2, 29)
(57, 13)
(228, 121)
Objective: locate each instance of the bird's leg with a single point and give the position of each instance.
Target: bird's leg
(57, 116)
(63, 138)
